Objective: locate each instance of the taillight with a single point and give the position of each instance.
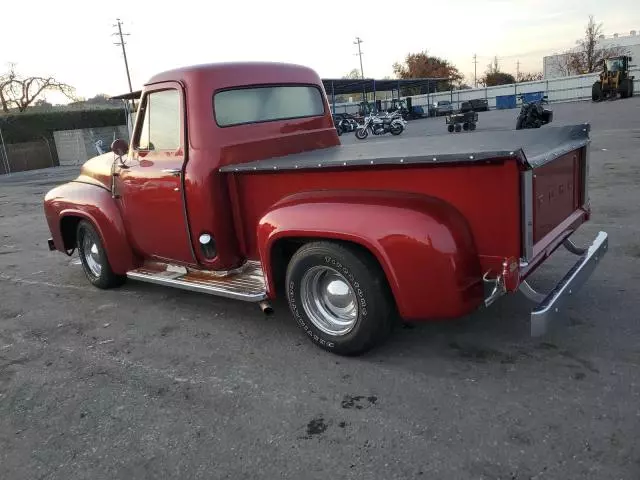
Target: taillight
(511, 273)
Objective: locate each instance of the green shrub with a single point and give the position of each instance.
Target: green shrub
(28, 126)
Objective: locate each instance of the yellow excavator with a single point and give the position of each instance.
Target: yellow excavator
(614, 80)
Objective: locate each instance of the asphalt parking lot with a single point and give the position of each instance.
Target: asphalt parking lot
(149, 382)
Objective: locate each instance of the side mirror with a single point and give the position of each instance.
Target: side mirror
(119, 147)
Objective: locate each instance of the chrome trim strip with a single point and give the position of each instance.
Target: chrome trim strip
(549, 309)
(526, 180)
(585, 173)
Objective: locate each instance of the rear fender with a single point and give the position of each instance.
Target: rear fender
(423, 244)
(95, 204)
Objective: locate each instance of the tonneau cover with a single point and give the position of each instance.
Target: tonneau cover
(532, 147)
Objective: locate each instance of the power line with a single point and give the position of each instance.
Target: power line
(359, 54)
(124, 52)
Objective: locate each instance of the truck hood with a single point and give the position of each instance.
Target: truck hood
(97, 170)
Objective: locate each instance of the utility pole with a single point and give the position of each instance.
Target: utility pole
(124, 52)
(359, 54)
(517, 70)
(475, 70)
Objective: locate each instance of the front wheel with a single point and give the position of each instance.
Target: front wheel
(362, 133)
(596, 92)
(339, 297)
(93, 257)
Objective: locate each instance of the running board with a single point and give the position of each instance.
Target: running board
(246, 283)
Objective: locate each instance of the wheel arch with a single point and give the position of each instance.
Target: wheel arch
(420, 243)
(67, 205)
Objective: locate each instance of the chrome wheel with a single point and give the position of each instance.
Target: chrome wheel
(328, 300)
(91, 254)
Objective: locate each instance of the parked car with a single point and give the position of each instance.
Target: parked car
(443, 107)
(474, 105)
(263, 201)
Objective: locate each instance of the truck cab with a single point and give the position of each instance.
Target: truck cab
(235, 183)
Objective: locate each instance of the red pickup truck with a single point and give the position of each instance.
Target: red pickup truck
(236, 184)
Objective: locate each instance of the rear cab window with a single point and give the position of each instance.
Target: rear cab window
(266, 103)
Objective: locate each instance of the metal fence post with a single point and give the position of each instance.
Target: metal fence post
(6, 157)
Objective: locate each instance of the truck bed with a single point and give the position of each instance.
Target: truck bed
(522, 192)
(532, 147)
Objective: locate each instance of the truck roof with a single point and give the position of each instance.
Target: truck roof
(230, 74)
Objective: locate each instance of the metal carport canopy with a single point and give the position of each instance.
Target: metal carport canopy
(344, 86)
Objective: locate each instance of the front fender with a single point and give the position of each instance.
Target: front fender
(424, 245)
(93, 203)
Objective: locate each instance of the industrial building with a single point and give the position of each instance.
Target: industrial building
(553, 64)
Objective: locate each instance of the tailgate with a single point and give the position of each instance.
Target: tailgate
(554, 191)
(557, 192)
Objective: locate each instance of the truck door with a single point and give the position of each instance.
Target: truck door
(151, 187)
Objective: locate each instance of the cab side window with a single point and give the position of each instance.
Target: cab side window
(161, 124)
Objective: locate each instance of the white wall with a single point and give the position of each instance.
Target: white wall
(74, 147)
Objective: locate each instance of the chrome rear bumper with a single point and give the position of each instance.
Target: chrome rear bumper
(551, 305)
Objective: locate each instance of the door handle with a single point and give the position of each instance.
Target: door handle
(172, 171)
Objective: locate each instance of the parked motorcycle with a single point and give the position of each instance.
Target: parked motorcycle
(344, 123)
(379, 125)
(533, 114)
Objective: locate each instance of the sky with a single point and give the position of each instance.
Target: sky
(72, 39)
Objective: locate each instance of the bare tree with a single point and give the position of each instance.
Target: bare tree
(20, 92)
(530, 76)
(563, 65)
(590, 53)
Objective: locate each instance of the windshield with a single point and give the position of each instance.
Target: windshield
(614, 64)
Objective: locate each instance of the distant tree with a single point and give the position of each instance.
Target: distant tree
(422, 65)
(493, 76)
(589, 56)
(530, 76)
(20, 92)
(42, 104)
(353, 74)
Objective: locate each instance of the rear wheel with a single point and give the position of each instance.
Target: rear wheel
(339, 297)
(396, 129)
(625, 88)
(465, 126)
(94, 257)
(458, 127)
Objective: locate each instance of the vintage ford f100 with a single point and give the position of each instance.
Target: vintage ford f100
(235, 183)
